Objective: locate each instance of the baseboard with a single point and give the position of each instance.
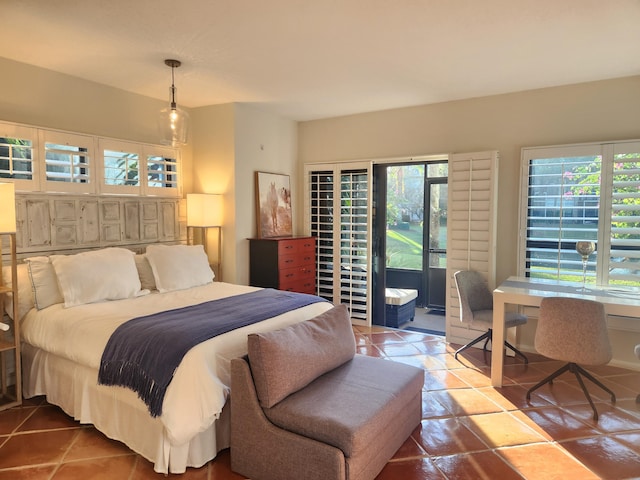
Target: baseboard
(424, 330)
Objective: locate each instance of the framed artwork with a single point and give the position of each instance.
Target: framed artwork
(273, 202)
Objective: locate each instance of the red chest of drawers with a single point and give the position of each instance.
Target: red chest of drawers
(287, 263)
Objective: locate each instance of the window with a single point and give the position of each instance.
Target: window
(131, 168)
(582, 192)
(162, 170)
(68, 162)
(120, 167)
(17, 148)
(43, 160)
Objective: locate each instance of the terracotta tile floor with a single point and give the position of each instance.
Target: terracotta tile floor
(469, 429)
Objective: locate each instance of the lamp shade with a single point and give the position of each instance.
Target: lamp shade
(204, 210)
(7, 208)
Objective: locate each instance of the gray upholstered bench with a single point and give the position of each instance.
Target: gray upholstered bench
(305, 406)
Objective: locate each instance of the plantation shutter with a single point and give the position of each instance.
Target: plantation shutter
(338, 215)
(18, 156)
(69, 162)
(162, 171)
(623, 265)
(472, 215)
(581, 192)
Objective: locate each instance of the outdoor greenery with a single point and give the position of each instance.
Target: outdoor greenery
(406, 214)
(404, 247)
(11, 151)
(626, 177)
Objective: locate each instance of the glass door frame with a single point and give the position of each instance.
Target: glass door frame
(432, 273)
(378, 263)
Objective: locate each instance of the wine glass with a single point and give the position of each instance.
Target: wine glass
(585, 249)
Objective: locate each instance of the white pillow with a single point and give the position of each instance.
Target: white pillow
(25, 293)
(89, 277)
(43, 282)
(176, 267)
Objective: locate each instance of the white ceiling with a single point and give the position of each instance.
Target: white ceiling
(308, 59)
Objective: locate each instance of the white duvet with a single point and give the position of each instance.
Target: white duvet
(200, 386)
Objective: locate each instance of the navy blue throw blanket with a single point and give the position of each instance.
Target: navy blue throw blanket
(143, 353)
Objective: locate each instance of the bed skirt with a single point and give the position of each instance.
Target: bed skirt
(116, 412)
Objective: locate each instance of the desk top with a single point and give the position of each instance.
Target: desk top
(627, 298)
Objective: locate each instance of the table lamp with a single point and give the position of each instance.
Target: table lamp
(205, 211)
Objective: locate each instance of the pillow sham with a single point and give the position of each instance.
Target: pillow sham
(44, 282)
(284, 361)
(95, 276)
(25, 293)
(177, 267)
(147, 282)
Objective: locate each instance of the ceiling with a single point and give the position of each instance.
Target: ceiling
(309, 59)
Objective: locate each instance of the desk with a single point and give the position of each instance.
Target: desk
(531, 291)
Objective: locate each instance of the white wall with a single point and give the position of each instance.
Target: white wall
(264, 143)
(231, 143)
(213, 172)
(606, 110)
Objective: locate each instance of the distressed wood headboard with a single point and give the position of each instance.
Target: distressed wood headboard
(49, 223)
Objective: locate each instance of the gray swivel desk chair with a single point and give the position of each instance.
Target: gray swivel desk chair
(476, 309)
(573, 330)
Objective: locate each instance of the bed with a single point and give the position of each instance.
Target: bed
(65, 332)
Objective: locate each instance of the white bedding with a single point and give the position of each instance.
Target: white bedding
(199, 389)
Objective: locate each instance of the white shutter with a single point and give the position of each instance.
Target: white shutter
(471, 224)
(623, 266)
(354, 244)
(121, 167)
(161, 171)
(321, 220)
(69, 162)
(18, 156)
(338, 214)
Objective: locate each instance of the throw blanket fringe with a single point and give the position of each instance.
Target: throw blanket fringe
(144, 353)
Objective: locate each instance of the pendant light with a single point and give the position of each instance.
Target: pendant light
(173, 122)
